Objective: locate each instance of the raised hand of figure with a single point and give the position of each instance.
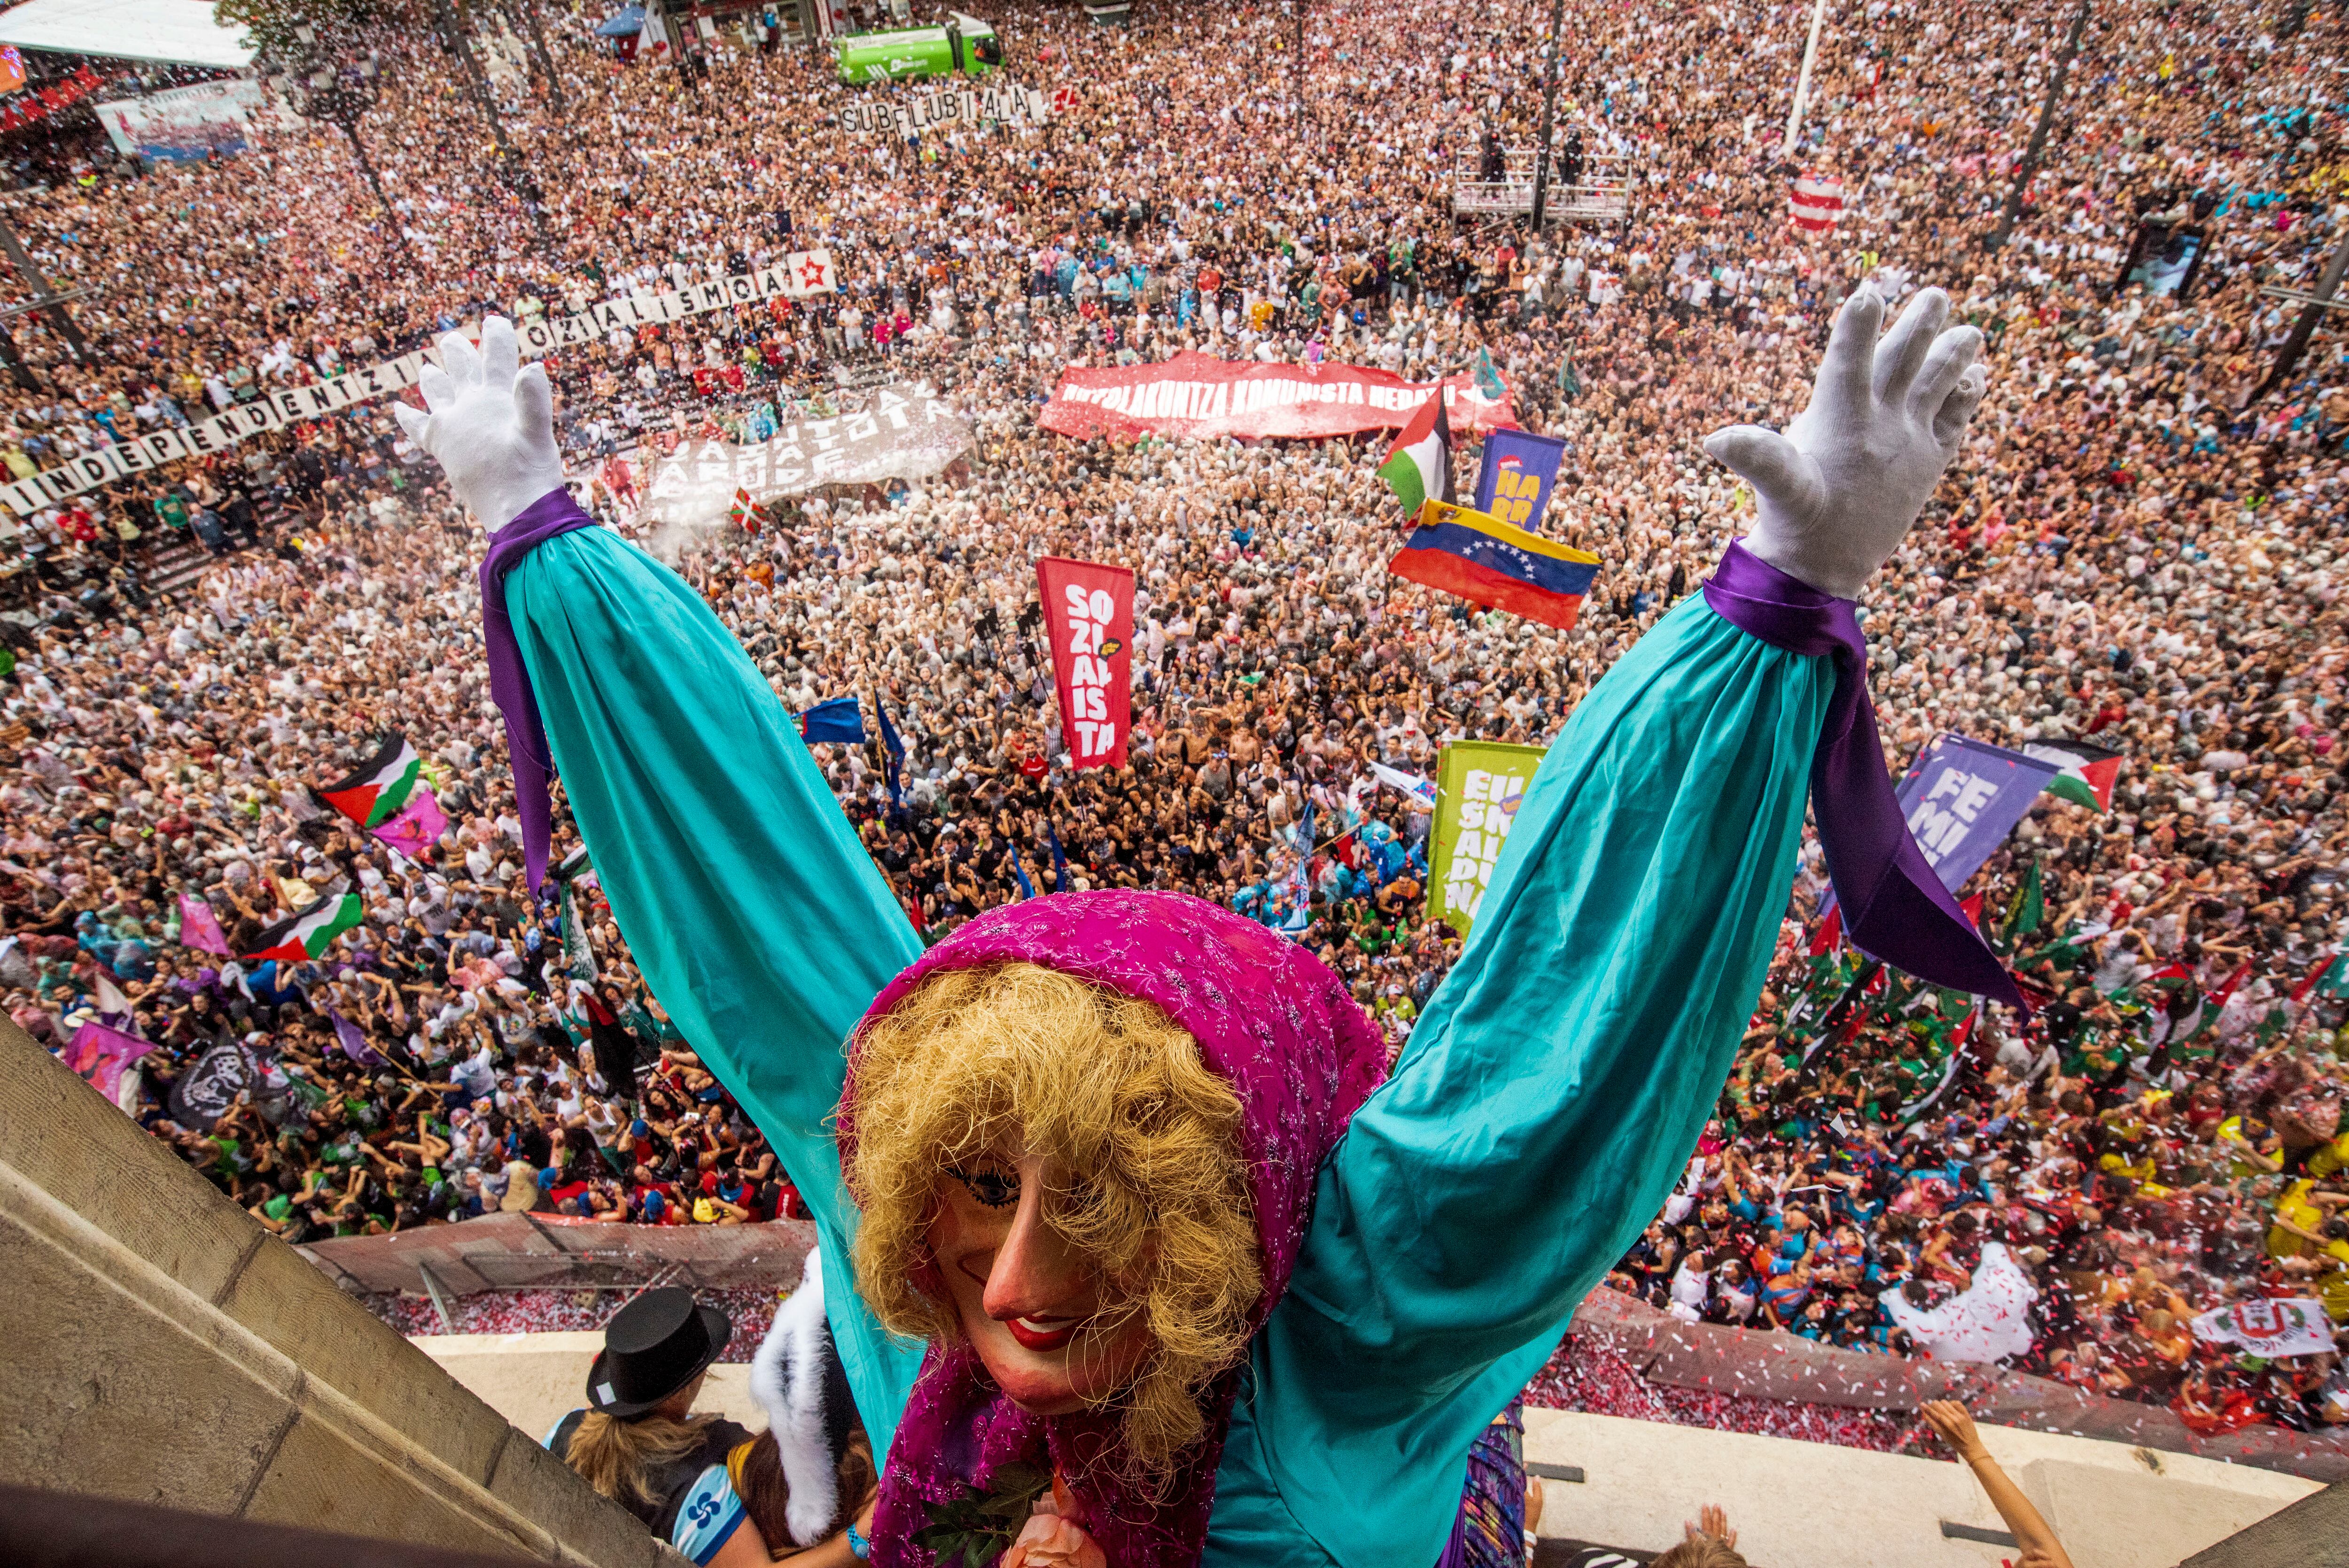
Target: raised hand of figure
(491, 424)
(1838, 490)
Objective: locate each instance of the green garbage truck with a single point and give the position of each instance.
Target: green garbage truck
(965, 44)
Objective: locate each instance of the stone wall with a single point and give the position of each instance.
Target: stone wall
(164, 1349)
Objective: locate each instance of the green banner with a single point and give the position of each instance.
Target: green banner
(1479, 786)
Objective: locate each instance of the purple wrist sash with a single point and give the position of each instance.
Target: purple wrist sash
(551, 513)
(1894, 906)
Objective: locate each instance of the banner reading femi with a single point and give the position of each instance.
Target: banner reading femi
(1961, 797)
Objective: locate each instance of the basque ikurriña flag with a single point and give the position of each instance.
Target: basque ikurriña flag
(1478, 557)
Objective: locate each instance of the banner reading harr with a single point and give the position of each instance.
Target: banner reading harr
(1519, 473)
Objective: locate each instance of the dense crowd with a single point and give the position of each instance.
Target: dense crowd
(2125, 552)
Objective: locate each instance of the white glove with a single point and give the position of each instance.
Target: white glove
(1839, 488)
(491, 424)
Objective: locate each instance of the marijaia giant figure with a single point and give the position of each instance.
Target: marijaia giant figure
(1109, 1191)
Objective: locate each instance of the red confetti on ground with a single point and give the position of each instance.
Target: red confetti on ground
(562, 1311)
(1583, 1375)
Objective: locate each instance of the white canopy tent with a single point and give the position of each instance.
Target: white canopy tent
(178, 32)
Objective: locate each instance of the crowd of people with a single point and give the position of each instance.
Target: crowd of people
(2127, 552)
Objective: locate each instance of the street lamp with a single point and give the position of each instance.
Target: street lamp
(340, 95)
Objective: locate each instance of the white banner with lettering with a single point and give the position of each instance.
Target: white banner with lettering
(800, 275)
(1006, 105)
(908, 433)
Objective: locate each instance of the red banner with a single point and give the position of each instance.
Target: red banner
(1088, 615)
(1200, 396)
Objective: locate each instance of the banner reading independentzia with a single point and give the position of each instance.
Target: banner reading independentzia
(800, 275)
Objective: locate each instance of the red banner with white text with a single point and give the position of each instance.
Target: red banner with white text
(1088, 615)
(1200, 396)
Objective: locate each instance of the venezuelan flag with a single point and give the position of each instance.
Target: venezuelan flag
(1476, 556)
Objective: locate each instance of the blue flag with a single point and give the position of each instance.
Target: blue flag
(835, 720)
(1520, 471)
(1019, 874)
(893, 750)
(1060, 861)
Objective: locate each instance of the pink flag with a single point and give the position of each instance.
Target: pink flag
(200, 928)
(99, 1054)
(418, 826)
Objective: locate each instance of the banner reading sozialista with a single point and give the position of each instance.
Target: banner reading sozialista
(1088, 615)
(1199, 396)
(800, 275)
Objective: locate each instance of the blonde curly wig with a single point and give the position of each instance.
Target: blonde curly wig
(1155, 1189)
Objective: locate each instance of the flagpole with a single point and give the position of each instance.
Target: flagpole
(2029, 164)
(1549, 120)
(1803, 81)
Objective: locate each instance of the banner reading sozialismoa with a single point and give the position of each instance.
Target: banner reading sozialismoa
(1088, 615)
(1200, 396)
(1479, 786)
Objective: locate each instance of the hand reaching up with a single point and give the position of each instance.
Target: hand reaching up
(1836, 493)
(491, 424)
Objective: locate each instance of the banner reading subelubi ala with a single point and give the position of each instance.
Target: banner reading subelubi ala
(800, 275)
(917, 112)
(1479, 786)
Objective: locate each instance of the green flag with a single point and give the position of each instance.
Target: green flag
(2029, 907)
(1479, 786)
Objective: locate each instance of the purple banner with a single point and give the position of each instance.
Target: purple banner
(1520, 471)
(1961, 797)
(101, 1054)
(416, 828)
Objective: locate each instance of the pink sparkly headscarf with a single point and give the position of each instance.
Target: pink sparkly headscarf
(1280, 1028)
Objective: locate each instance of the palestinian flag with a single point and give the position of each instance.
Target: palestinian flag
(2331, 978)
(375, 794)
(306, 935)
(1418, 467)
(2088, 771)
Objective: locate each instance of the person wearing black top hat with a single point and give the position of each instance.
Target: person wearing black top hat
(636, 1442)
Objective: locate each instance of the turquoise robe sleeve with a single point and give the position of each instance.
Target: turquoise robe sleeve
(759, 919)
(1546, 1102)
